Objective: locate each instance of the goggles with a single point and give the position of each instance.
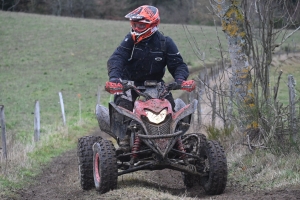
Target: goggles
(139, 26)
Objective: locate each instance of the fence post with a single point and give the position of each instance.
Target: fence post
(79, 105)
(202, 82)
(37, 120)
(62, 108)
(214, 106)
(292, 117)
(190, 99)
(229, 109)
(3, 128)
(199, 114)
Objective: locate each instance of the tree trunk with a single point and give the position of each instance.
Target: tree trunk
(232, 23)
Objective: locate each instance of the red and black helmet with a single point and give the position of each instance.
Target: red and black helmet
(144, 22)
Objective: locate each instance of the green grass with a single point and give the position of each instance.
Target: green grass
(42, 55)
(262, 170)
(288, 67)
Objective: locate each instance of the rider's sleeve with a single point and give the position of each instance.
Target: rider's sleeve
(119, 58)
(175, 63)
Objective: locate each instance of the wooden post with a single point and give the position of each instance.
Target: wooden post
(79, 104)
(206, 77)
(229, 110)
(202, 82)
(37, 126)
(62, 108)
(214, 106)
(190, 99)
(3, 128)
(199, 111)
(292, 106)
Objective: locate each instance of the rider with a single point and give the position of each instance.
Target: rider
(143, 55)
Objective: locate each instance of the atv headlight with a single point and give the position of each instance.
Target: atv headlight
(156, 118)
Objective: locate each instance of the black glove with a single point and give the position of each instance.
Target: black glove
(115, 80)
(174, 86)
(179, 81)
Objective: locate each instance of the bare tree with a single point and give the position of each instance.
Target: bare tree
(254, 29)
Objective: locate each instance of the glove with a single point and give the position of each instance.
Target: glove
(175, 85)
(179, 81)
(115, 80)
(113, 88)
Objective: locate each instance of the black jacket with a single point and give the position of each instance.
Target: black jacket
(146, 60)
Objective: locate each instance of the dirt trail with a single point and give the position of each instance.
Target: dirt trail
(59, 180)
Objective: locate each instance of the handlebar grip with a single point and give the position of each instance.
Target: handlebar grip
(189, 85)
(113, 88)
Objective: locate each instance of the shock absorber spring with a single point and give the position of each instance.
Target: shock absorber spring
(180, 147)
(136, 146)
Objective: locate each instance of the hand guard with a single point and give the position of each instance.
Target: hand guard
(189, 85)
(113, 88)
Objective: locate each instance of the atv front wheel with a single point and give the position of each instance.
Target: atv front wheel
(85, 160)
(216, 165)
(105, 166)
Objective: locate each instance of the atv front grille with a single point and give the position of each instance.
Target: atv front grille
(158, 129)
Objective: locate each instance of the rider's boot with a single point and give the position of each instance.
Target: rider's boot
(124, 145)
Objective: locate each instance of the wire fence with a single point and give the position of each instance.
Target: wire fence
(37, 125)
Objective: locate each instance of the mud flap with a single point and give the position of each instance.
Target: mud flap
(179, 103)
(119, 123)
(184, 114)
(102, 115)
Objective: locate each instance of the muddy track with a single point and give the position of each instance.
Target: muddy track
(59, 180)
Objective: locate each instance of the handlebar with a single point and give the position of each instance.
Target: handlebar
(125, 85)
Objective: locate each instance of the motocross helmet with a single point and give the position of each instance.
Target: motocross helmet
(144, 22)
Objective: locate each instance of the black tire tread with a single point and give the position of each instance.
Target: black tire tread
(108, 166)
(218, 171)
(85, 161)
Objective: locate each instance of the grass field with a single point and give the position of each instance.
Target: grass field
(42, 55)
(289, 65)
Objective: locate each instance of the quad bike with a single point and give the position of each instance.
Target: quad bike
(158, 140)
